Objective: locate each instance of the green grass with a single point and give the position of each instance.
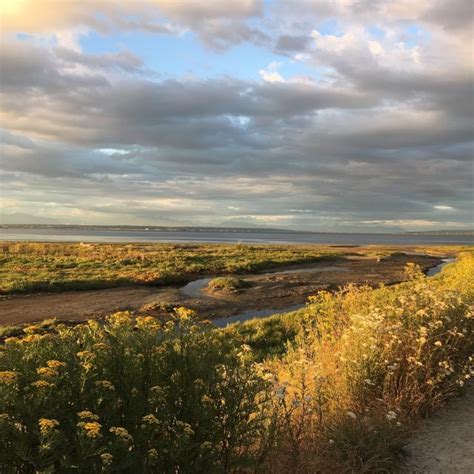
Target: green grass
(34, 267)
(47, 267)
(228, 283)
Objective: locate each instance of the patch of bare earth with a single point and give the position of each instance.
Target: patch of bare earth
(278, 290)
(445, 442)
(75, 305)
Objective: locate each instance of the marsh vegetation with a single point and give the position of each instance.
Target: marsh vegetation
(228, 284)
(33, 267)
(336, 387)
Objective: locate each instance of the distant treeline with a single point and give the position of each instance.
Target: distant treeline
(212, 229)
(443, 232)
(143, 228)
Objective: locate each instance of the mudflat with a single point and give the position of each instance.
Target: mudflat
(289, 286)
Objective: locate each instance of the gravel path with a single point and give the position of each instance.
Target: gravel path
(445, 442)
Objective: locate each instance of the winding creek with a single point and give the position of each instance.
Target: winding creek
(437, 268)
(272, 293)
(195, 289)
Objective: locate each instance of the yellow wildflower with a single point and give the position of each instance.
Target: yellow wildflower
(185, 428)
(438, 343)
(11, 340)
(151, 419)
(85, 355)
(147, 322)
(100, 346)
(41, 384)
(107, 459)
(87, 366)
(152, 454)
(185, 314)
(87, 415)
(206, 399)
(8, 377)
(31, 329)
(119, 319)
(31, 338)
(105, 384)
(46, 372)
(91, 429)
(121, 433)
(55, 364)
(93, 324)
(47, 425)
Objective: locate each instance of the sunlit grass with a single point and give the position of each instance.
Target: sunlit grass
(27, 267)
(335, 387)
(228, 283)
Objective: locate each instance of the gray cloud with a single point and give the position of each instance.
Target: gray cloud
(123, 61)
(382, 137)
(451, 16)
(291, 43)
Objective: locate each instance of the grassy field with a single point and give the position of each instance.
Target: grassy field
(35, 267)
(336, 387)
(29, 267)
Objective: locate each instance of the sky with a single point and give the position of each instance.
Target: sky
(344, 115)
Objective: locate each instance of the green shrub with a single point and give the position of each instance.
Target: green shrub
(130, 396)
(228, 283)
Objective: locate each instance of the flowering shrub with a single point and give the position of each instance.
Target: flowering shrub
(129, 394)
(367, 364)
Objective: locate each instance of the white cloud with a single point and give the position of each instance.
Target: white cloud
(69, 38)
(375, 48)
(270, 73)
(112, 151)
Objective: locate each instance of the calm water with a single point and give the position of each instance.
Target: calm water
(79, 235)
(265, 313)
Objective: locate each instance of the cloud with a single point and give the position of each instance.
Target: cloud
(378, 135)
(289, 43)
(270, 74)
(219, 24)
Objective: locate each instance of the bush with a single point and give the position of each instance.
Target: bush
(129, 395)
(372, 362)
(228, 283)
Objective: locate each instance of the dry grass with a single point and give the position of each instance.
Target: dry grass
(366, 365)
(363, 366)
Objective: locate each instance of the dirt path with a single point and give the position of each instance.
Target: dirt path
(445, 443)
